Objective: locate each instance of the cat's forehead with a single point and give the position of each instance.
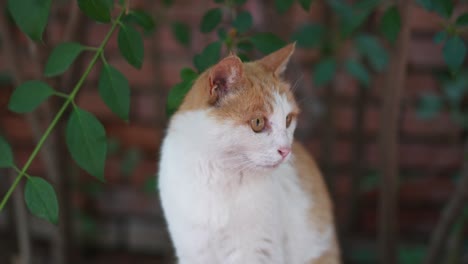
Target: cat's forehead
(260, 95)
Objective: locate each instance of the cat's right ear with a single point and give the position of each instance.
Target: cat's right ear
(224, 76)
(278, 60)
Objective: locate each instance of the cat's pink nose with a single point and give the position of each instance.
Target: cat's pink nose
(284, 151)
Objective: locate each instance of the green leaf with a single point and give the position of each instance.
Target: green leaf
(343, 9)
(98, 10)
(240, 2)
(429, 106)
(411, 254)
(390, 25)
(211, 20)
(243, 57)
(208, 57)
(283, 5)
(5, 152)
(142, 19)
(358, 71)
(131, 45)
(130, 162)
(454, 52)
(86, 141)
(443, 7)
(167, 3)
(41, 199)
(305, 4)
(113, 146)
(29, 95)
(455, 88)
(245, 46)
(222, 34)
(151, 185)
(176, 96)
(31, 16)
(62, 57)
(181, 33)
(243, 21)
(370, 181)
(462, 20)
(309, 35)
(440, 37)
(370, 47)
(115, 91)
(187, 74)
(324, 71)
(267, 42)
(366, 5)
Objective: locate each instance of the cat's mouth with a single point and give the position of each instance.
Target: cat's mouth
(274, 165)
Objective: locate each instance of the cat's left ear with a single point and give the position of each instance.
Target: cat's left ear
(278, 60)
(224, 77)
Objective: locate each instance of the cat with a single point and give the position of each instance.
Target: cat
(234, 185)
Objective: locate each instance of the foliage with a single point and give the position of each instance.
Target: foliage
(237, 35)
(455, 81)
(85, 135)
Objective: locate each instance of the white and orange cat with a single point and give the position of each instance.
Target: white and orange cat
(235, 186)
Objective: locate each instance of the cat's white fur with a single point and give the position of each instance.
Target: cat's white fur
(228, 196)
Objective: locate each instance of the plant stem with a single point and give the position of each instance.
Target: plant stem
(61, 111)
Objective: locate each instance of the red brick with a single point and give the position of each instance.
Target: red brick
(144, 107)
(414, 221)
(92, 102)
(424, 53)
(423, 156)
(169, 75)
(442, 124)
(16, 128)
(434, 190)
(145, 138)
(344, 119)
(418, 84)
(168, 45)
(5, 93)
(97, 32)
(422, 20)
(427, 156)
(144, 169)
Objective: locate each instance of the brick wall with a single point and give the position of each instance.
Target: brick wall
(430, 151)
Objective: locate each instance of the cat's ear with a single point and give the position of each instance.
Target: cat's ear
(278, 60)
(224, 76)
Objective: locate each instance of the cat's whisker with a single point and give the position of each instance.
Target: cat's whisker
(296, 83)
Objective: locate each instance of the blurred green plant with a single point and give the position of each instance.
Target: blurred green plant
(237, 35)
(454, 81)
(85, 135)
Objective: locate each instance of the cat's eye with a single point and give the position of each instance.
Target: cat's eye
(288, 120)
(257, 124)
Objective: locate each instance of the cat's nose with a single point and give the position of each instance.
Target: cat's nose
(284, 151)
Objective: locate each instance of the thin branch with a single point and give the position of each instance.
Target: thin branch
(391, 95)
(451, 212)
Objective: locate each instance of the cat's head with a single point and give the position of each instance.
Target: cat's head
(254, 106)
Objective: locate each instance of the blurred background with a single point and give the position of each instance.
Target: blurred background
(382, 92)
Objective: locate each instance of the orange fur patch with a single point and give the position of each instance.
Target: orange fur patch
(250, 96)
